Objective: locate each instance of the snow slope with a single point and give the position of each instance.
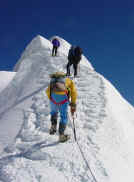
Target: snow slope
(104, 149)
(5, 78)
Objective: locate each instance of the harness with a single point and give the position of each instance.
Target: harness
(61, 102)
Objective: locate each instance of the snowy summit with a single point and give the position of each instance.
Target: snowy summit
(104, 123)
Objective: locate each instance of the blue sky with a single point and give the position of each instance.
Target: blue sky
(104, 29)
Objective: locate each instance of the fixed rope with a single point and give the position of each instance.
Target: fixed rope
(81, 151)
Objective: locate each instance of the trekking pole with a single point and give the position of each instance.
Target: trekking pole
(74, 130)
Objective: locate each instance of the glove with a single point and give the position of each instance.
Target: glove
(73, 108)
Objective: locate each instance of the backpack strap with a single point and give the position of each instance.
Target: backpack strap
(61, 102)
(58, 103)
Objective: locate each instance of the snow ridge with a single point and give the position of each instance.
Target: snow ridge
(34, 154)
(33, 141)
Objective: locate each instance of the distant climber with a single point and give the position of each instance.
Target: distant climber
(74, 57)
(56, 44)
(62, 93)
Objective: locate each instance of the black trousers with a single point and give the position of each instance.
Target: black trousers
(75, 67)
(54, 51)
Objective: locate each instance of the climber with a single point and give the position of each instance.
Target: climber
(56, 44)
(62, 93)
(74, 57)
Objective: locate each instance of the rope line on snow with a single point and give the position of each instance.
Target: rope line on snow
(81, 151)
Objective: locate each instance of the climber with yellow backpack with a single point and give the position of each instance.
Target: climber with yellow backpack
(62, 93)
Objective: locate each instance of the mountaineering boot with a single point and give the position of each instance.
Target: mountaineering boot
(68, 74)
(76, 76)
(63, 137)
(53, 128)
